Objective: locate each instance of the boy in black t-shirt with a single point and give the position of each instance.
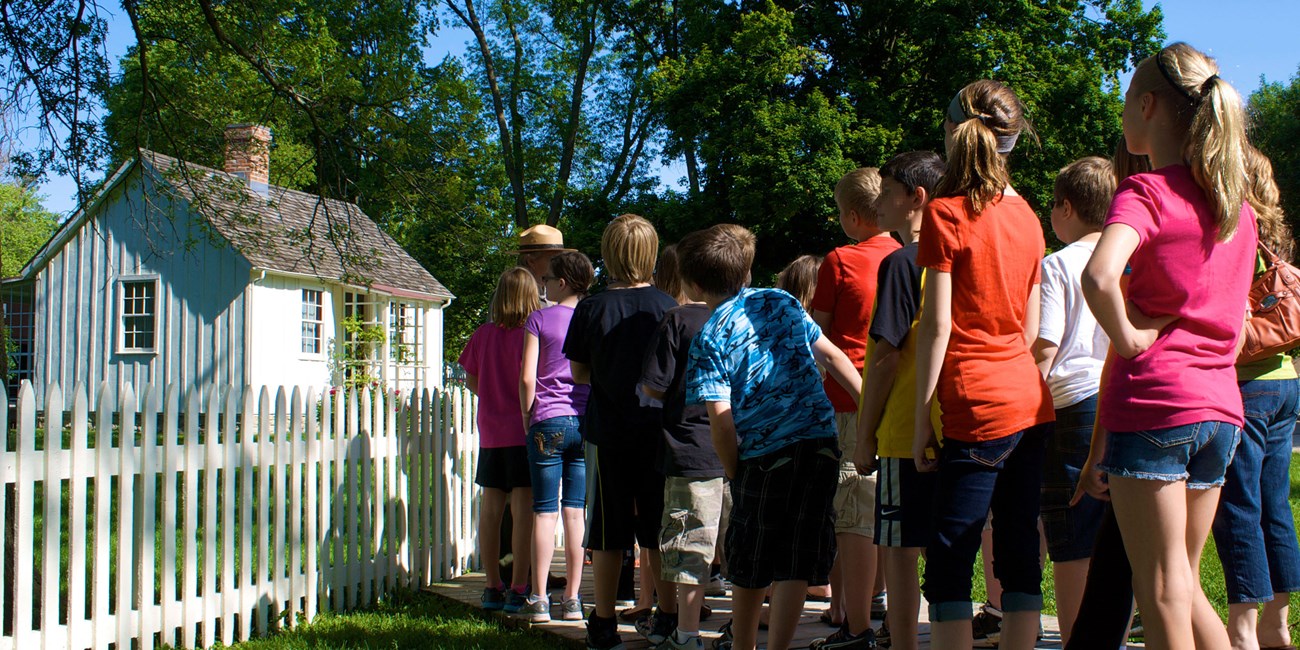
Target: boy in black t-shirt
(693, 487)
(606, 345)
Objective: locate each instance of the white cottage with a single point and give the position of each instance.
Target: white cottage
(181, 273)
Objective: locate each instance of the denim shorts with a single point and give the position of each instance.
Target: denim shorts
(1070, 530)
(1198, 453)
(555, 461)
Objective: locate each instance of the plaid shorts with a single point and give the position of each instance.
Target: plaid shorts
(782, 517)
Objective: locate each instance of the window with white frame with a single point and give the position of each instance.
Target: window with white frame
(138, 308)
(407, 326)
(313, 321)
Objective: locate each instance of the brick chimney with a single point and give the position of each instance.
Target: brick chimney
(248, 153)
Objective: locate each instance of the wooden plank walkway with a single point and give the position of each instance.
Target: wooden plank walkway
(468, 588)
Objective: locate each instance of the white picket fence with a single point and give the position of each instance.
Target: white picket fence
(228, 514)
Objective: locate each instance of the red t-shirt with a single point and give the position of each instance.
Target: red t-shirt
(988, 387)
(846, 288)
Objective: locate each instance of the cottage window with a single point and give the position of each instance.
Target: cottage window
(313, 319)
(139, 310)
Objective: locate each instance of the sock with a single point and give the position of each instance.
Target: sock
(681, 637)
(502, 586)
(519, 589)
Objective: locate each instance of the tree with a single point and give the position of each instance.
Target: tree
(25, 226)
(1275, 115)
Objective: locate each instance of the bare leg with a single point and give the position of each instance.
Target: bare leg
(951, 635)
(521, 504)
(543, 548)
(1273, 631)
(665, 591)
(836, 607)
(1241, 626)
(992, 585)
(857, 560)
(605, 567)
(1207, 627)
(744, 625)
(489, 533)
(1019, 630)
(1070, 580)
(645, 598)
(575, 526)
(787, 603)
(690, 598)
(899, 570)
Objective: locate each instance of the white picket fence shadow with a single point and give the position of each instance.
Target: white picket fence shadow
(244, 512)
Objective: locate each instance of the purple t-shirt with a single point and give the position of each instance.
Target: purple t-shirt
(557, 395)
(1178, 268)
(495, 355)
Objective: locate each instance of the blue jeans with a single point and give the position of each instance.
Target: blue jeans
(1003, 476)
(555, 459)
(1070, 530)
(1253, 528)
(1198, 453)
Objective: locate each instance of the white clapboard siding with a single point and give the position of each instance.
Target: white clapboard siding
(198, 515)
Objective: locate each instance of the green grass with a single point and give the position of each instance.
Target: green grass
(407, 621)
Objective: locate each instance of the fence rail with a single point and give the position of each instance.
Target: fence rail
(193, 519)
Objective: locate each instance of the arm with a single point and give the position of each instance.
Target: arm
(1101, 288)
(931, 345)
(528, 377)
(581, 372)
(1044, 354)
(723, 431)
(881, 369)
(651, 392)
(1033, 314)
(471, 382)
(837, 365)
(823, 320)
(1092, 481)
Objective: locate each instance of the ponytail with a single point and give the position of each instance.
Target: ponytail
(1216, 153)
(988, 117)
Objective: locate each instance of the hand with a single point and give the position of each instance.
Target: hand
(925, 446)
(1092, 481)
(864, 457)
(1146, 329)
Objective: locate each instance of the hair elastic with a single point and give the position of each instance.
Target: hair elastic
(1207, 84)
(1164, 72)
(957, 115)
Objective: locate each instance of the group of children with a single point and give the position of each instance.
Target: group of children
(934, 379)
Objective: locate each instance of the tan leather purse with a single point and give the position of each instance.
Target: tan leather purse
(1274, 324)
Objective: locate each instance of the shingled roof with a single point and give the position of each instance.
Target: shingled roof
(295, 232)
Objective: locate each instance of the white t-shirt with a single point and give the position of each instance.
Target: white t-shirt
(1067, 322)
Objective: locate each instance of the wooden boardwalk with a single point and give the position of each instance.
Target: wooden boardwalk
(467, 589)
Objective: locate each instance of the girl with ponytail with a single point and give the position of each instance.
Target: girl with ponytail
(982, 246)
(1171, 412)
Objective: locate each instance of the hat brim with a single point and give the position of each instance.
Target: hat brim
(541, 248)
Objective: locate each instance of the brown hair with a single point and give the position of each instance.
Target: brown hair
(1208, 113)
(1262, 193)
(574, 269)
(668, 277)
(799, 279)
(717, 259)
(514, 299)
(629, 247)
(975, 168)
(1127, 164)
(857, 191)
(1089, 185)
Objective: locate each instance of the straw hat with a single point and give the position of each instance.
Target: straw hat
(541, 238)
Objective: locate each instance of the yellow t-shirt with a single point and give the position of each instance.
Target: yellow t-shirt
(898, 421)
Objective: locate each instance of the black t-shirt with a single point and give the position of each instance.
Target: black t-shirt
(898, 296)
(609, 332)
(688, 447)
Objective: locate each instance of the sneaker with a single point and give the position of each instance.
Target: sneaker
(493, 599)
(882, 635)
(602, 634)
(842, 639)
(1135, 630)
(515, 601)
(537, 608)
(986, 627)
(656, 627)
(878, 606)
(716, 588)
(571, 609)
(723, 642)
(694, 642)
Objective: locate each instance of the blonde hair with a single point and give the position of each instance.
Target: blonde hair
(1212, 120)
(668, 277)
(1089, 185)
(857, 191)
(799, 279)
(975, 168)
(629, 247)
(717, 259)
(514, 298)
(1263, 196)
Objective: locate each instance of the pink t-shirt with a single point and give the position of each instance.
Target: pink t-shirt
(557, 395)
(1187, 376)
(495, 355)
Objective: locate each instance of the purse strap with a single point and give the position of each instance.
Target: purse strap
(1270, 258)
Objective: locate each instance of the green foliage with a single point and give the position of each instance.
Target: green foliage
(352, 361)
(25, 226)
(1275, 113)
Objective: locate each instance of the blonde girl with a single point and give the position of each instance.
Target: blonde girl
(799, 279)
(1170, 400)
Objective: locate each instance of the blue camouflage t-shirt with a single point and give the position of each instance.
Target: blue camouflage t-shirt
(755, 352)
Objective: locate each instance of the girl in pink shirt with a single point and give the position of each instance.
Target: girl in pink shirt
(1169, 394)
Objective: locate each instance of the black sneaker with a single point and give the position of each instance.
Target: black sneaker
(842, 639)
(878, 608)
(493, 599)
(986, 627)
(725, 641)
(656, 627)
(882, 635)
(602, 634)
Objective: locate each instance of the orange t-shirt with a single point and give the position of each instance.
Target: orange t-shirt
(846, 288)
(988, 387)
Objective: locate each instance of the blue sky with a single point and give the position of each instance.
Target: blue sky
(1250, 39)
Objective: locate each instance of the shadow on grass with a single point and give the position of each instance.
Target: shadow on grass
(407, 621)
